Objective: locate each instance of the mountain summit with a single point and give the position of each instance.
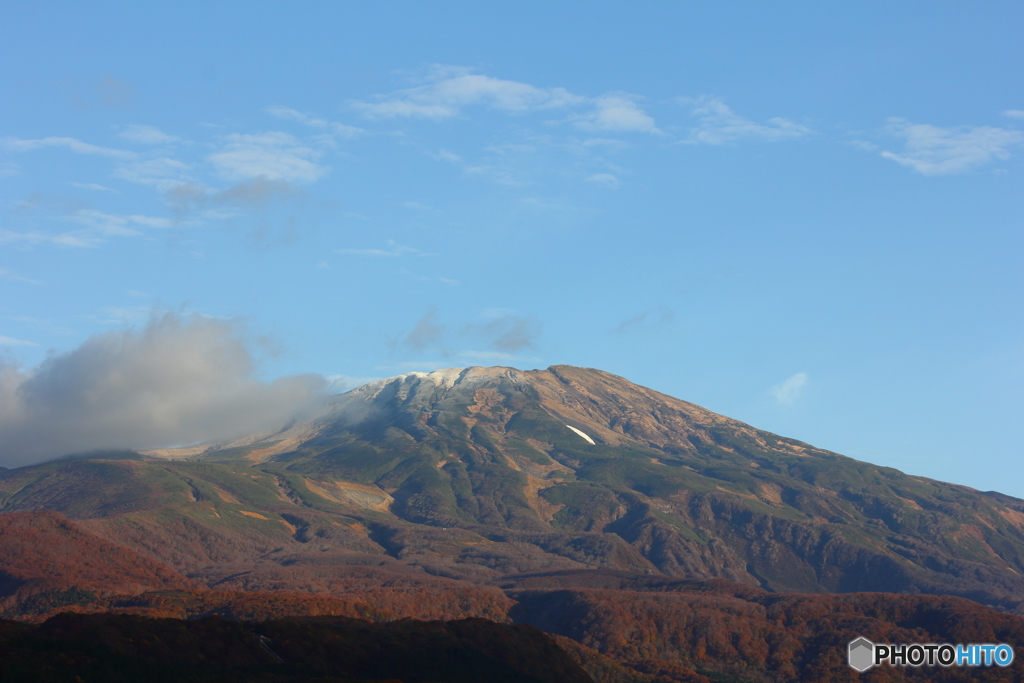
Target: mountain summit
(480, 474)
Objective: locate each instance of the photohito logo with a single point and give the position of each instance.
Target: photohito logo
(863, 654)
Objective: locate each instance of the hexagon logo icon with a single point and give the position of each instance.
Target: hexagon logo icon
(862, 654)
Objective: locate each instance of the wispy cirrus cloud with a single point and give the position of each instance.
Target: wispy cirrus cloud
(162, 173)
(94, 187)
(95, 227)
(11, 341)
(73, 144)
(393, 250)
(147, 135)
(933, 150)
(719, 125)
(340, 129)
(450, 88)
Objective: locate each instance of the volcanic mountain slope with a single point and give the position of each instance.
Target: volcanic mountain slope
(476, 474)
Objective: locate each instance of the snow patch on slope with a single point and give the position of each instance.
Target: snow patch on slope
(584, 435)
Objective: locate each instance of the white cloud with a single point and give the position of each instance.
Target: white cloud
(33, 237)
(605, 179)
(720, 125)
(96, 227)
(428, 278)
(1014, 114)
(445, 155)
(151, 221)
(9, 169)
(617, 112)
(77, 146)
(339, 129)
(394, 249)
(11, 341)
(147, 135)
(104, 223)
(451, 88)
(290, 114)
(607, 143)
(177, 381)
(110, 224)
(932, 150)
(163, 173)
(864, 145)
(272, 155)
(93, 186)
(788, 391)
(72, 238)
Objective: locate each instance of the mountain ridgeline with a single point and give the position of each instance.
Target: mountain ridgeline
(588, 467)
(477, 474)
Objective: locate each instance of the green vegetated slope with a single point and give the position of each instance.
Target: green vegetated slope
(475, 474)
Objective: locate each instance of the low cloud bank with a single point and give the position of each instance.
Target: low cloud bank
(178, 381)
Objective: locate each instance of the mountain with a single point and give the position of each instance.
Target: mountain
(656, 540)
(476, 474)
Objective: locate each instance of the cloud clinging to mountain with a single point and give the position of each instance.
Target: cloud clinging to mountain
(179, 380)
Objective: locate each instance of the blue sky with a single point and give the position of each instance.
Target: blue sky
(806, 216)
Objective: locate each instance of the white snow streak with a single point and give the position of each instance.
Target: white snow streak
(589, 440)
